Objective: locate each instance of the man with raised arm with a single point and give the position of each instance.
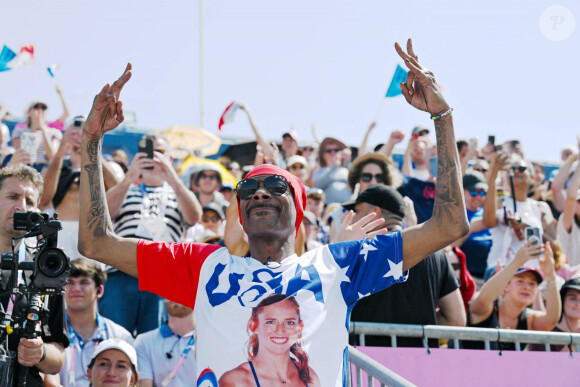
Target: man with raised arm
(310, 332)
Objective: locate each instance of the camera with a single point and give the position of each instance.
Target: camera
(50, 266)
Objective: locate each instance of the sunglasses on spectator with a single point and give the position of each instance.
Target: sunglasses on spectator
(331, 150)
(482, 170)
(39, 106)
(207, 218)
(275, 184)
(308, 149)
(367, 177)
(204, 176)
(474, 193)
(520, 168)
(297, 166)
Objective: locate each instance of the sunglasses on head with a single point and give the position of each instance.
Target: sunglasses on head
(367, 177)
(520, 168)
(331, 150)
(474, 193)
(275, 184)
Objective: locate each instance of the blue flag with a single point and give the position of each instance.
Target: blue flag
(399, 76)
(6, 55)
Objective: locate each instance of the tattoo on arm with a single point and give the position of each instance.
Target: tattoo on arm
(96, 219)
(447, 197)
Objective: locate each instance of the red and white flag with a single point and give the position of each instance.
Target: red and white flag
(24, 57)
(228, 115)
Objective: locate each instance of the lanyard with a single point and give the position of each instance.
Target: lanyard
(77, 344)
(179, 363)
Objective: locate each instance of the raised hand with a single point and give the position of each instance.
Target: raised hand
(547, 262)
(107, 111)
(362, 228)
(420, 90)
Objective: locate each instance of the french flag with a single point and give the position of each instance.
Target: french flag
(9, 60)
(228, 114)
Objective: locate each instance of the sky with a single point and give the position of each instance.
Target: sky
(508, 68)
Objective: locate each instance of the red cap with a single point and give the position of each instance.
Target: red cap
(296, 187)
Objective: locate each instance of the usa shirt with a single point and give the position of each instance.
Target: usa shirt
(222, 289)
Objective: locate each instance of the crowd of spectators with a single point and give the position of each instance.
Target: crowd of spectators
(496, 276)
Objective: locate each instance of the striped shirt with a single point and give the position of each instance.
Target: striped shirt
(159, 204)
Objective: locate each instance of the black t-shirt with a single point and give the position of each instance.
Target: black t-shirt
(53, 329)
(410, 302)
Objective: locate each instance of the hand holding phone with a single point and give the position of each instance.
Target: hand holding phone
(533, 234)
(146, 146)
(29, 143)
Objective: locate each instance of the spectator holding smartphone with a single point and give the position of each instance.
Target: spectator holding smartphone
(519, 285)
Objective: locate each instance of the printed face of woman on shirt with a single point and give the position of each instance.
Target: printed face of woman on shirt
(111, 368)
(279, 326)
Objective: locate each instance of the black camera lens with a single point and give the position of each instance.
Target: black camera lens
(52, 263)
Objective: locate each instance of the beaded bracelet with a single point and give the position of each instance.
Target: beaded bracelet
(442, 114)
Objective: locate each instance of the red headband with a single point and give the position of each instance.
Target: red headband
(296, 187)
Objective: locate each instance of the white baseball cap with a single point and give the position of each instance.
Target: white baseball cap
(120, 345)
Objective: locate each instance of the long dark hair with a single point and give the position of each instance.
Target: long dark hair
(296, 349)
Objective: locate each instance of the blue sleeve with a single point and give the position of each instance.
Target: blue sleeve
(369, 265)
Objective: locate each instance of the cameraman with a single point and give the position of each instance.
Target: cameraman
(20, 190)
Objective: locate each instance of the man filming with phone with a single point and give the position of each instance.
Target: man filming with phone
(20, 190)
(150, 203)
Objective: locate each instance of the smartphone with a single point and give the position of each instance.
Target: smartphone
(433, 165)
(78, 123)
(533, 233)
(29, 142)
(491, 139)
(498, 148)
(146, 146)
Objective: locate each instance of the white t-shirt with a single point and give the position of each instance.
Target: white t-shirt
(505, 241)
(570, 241)
(323, 284)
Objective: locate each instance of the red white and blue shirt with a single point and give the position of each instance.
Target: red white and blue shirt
(222, 289)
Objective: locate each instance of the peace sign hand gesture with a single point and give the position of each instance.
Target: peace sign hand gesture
(420, 90)
(107, 111)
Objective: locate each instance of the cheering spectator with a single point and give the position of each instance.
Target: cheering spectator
(298, 166)
(511, 220)
(167, 354)
(156, 207)
(519, 285)
(372, 168)
(208, 180)
(48, 135)
(332, 177)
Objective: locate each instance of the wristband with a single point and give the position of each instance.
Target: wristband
(442, 114)
(43, 354)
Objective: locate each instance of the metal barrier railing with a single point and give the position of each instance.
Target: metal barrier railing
(377, 371)
(374, 370)
(486, 335)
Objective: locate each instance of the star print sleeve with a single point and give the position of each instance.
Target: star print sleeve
(369, 266)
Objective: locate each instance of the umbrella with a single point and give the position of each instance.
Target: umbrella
(192, 165)
(188, 138)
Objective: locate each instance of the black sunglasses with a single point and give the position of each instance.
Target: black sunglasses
(520, 168)
(367, 177)
(275, 184)
(39, 106)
